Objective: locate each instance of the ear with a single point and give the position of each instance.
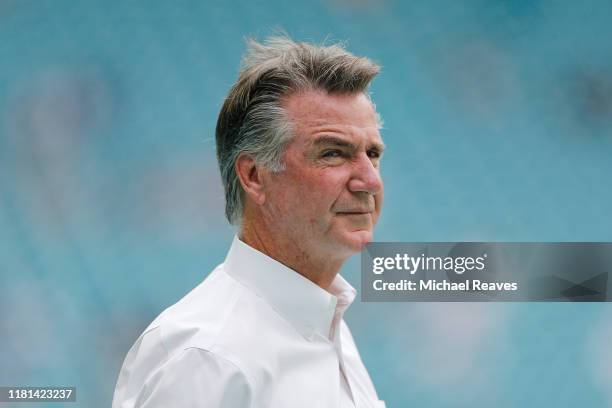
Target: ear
(250, 176)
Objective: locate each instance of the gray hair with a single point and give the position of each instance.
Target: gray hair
(252, 120)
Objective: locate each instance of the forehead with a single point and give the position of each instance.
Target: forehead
(317, 110)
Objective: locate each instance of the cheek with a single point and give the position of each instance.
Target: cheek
(318, 188)
(307, 194)
(295, 197)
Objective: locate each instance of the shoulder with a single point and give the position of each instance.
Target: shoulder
(190, 376)
(182, 349)
(199, 318)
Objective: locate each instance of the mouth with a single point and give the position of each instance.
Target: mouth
(356, 212)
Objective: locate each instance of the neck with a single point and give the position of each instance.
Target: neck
(319, 268)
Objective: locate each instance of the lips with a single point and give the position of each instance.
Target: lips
(354, 212)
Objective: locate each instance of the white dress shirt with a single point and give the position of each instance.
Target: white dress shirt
(253, 334)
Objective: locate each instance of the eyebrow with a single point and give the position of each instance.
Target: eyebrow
(336, 141)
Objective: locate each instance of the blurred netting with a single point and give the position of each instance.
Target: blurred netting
(498, 118)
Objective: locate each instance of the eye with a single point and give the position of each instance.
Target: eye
(332, 153)
(374, 154)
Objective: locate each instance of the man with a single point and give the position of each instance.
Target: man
(299, 150)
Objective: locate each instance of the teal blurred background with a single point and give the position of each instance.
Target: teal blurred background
(498, 119)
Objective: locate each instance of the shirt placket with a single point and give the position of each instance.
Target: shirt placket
(335, 337)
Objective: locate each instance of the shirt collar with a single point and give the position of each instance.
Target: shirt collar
(308, 307)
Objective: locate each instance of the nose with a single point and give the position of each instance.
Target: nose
(365, 176)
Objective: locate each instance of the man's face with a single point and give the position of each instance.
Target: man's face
(329, 196)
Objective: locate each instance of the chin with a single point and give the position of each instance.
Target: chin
(355, 241)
